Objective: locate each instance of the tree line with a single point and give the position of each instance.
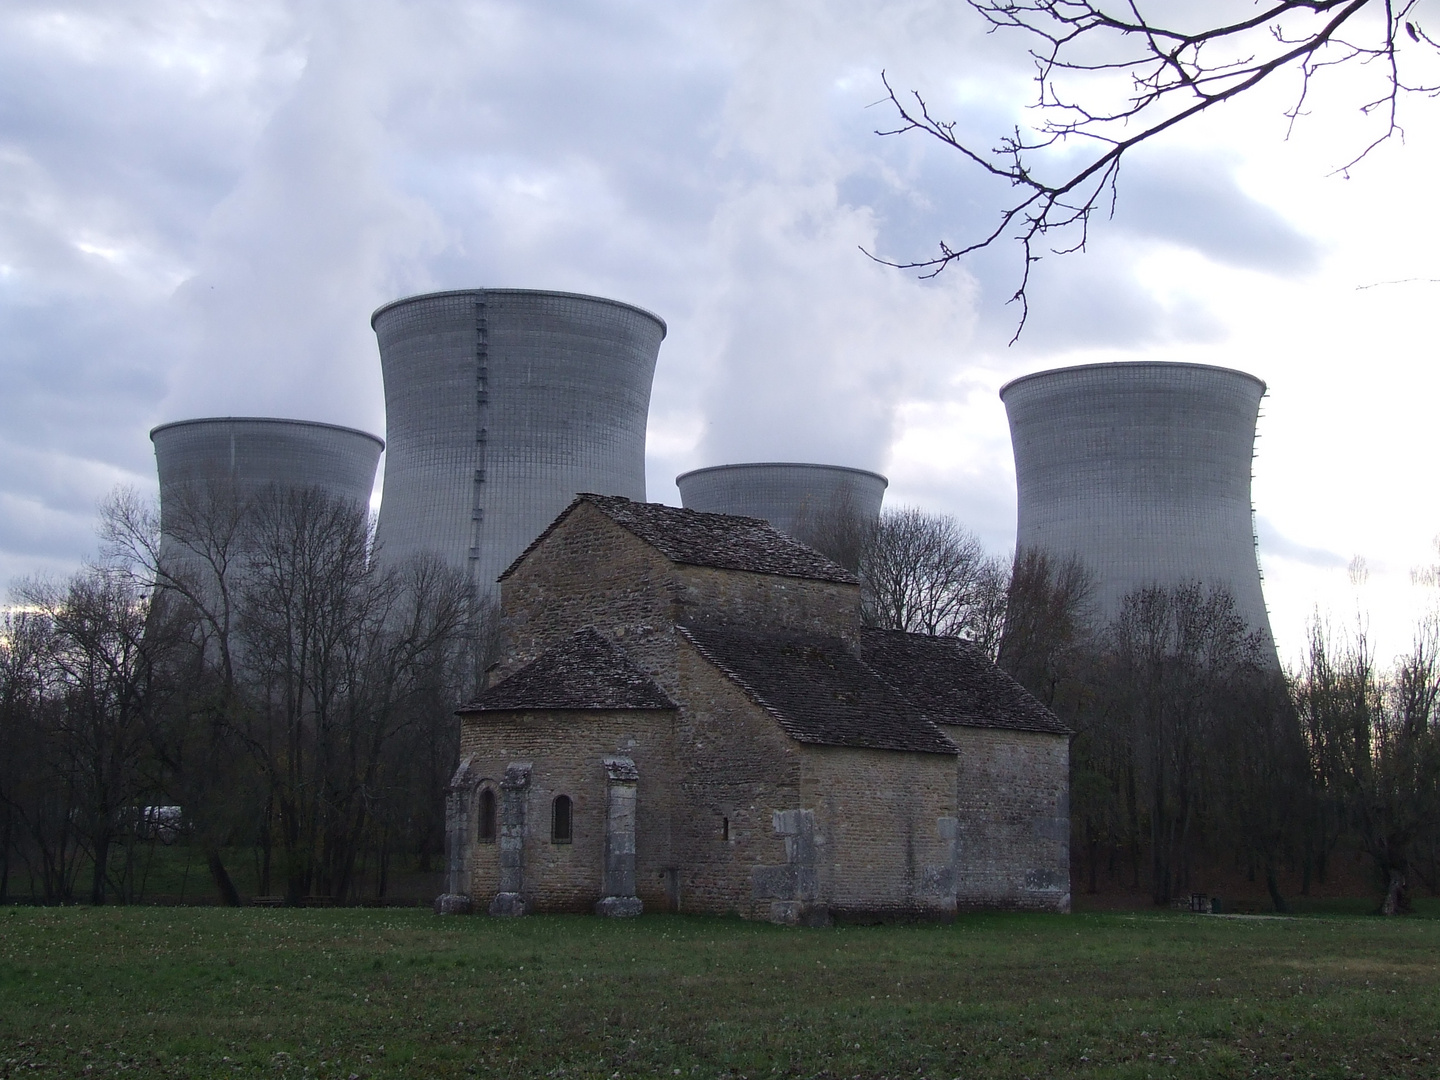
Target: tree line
(259, 684)
(1192, 753)
(255, 681)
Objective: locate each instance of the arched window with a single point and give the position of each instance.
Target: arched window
(487, 815)
(560, 820)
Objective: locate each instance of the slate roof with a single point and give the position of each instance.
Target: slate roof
(953, 682)
(692, 538)
(817, 690)
(583, 672)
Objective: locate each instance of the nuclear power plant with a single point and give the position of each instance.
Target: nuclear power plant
(1143, 471)
(504, 405)
(789, 495)
(249, 454)
(240, 457)
(501, 405)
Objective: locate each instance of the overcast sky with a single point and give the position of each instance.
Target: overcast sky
(201, 204)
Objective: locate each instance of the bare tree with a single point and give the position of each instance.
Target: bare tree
(1400, 807)
(254, 664)
(197, 558)
(990, 605)
(1171, 658)
(438, 643)
(1373, 748)
(38, 832)
(838, 529)
(1257, 787)
(924, 573)
(310, 597)
(103, 669)
(1048, 626)
(1176, 68)
(1336, 693)
(341, 659)
(194, 568)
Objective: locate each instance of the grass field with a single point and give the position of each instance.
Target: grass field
(387, 993)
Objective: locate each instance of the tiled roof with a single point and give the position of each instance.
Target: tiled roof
(954, 682)
(697, 539)
(583, 672)
(817, 690)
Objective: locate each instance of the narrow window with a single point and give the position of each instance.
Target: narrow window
(487, 816)
(725, 829)
(560, 820)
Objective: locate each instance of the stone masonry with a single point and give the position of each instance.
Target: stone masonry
(688, 717)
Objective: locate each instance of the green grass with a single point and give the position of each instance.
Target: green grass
(171, 874)
(388, 993)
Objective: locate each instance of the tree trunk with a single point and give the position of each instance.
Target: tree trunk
(97, 878)
(1132, 806)
(1162, 841)
(266, 841)
(5, 854)
(1396, 902)
(1273, 886)
(229, 895)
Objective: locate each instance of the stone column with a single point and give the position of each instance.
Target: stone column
(942, 881)
(459, 840)
(513, 790)
(618, 880)
(794, 887)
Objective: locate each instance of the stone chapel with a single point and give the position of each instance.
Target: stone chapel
(689, 716)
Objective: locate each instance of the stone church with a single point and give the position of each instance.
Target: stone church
(689, 716)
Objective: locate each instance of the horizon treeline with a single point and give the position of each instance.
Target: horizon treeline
(1194, 757)
(259, 669)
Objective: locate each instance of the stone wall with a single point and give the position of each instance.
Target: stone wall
(886, 826)
(732, 815)
(777, 829)
(1013, 809)
(591, 572)
(768, 601)
(739, 769)
(567, 752)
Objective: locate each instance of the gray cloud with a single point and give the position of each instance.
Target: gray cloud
(1275, 544)
(1197, 203)
(199, 208)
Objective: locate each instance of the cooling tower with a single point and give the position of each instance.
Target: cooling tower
(787, 494)
(1143, 470)
(501, 406)
(246, 456)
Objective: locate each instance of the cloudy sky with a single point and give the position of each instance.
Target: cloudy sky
(202, 202)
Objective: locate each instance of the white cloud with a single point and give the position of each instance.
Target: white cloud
(201, 204)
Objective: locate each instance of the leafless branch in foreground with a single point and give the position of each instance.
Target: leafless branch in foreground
(1175, 74)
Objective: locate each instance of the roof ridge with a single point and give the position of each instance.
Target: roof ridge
(738, 680)
(958, 678)
(689, 537)
(866, 710)
(590, 672)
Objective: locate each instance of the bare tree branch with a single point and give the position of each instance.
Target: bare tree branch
(1175, 74)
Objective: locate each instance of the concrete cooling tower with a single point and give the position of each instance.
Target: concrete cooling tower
(246, 456)
(786, 494)
(501, 406)
(1143, 470)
